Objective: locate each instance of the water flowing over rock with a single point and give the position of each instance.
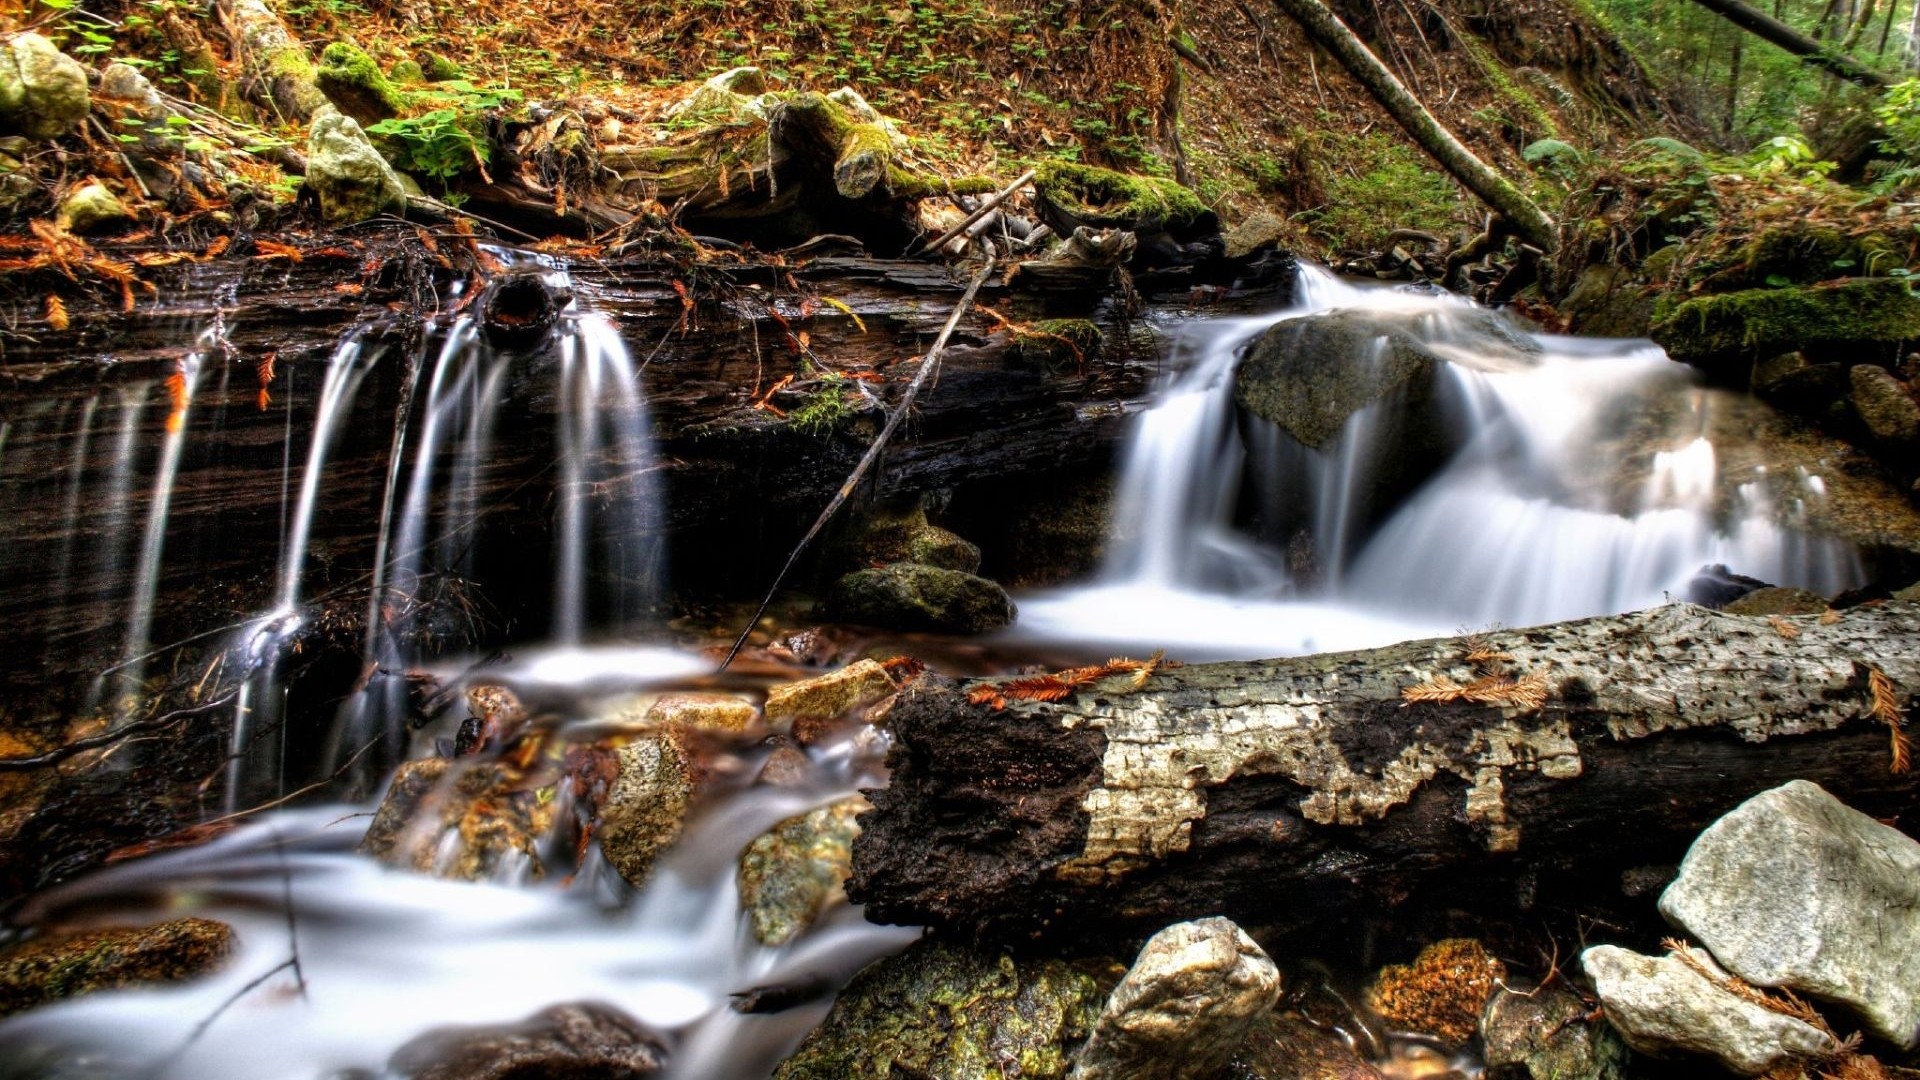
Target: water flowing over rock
(43, 91)
(469, 820)
(647, 805)
(1184, 1008)
(581, 1041)
(66, 965)
(791, 873)
(827, 697)
(1663, 1004)
(1795, 889)
(957, 1012)
(910, 596)
(349, 177)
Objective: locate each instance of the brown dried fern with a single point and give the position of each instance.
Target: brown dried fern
(1886, 709)
(1784, 628)
(1058, 687)
(1527, 693)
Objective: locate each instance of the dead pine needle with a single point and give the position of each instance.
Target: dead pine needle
(1061, 685)
(1886, 709)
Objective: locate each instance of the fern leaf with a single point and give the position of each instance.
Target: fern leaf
(1551, 151)
(1784, 628)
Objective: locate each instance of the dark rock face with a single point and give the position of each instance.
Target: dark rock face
(1886, 408)
(68, 965)
(579, 1041)
(910, 596)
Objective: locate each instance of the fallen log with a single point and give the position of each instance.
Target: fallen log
(1280, 791)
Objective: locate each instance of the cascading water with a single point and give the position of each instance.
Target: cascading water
(1517, 527)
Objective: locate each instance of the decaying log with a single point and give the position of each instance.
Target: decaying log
(1279, 791)
(277, 66)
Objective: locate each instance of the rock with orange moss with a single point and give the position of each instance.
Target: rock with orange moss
(68, 965)
(1441, 993)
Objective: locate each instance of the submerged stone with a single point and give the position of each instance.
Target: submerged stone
(467, 820)
(67, 965)
(1282, 1046)
(910, 596)
(1886, 407)
(956, 1012)
(576, 1041)
(794, 871)
(1544, 1034)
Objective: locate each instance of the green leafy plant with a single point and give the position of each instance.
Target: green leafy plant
(444, 142)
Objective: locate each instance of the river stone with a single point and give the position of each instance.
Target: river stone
(1309, 375)
(1661, 1004)
(348, 176)
(1885, 406)
(956, 1012)
(1795, 889)
(43, 91)
(1543, 1035)
(647, 806)
(1441, 993)
(909, 596)
(1185, 1008)
(1608, 301)
(905, 535)
(830, 696)
(791, 873)
(469, 820)
(67, 965)
(91, 207)
(576, 1041)
(1283, 1046)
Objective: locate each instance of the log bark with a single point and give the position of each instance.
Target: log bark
(1325, 28)
(1283, 791)
(1754, 21)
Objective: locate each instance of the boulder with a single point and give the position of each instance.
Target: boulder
(346, 174)
(1794, 889)
(905, 535)
(1778, 600)
(910, 596)
(1442, 993)
(1283, 1046)
(91, 207)
(43, 91)
(576, 1041)
(1543, 1034)
(1663, 1004)
(647, 805)
(830, 696)
(1608, 301)
(794, 871)
(1185, 1008)
(1725, 333)
(59, 966)
(467, 820)
(1886, 407)
(957, 1012)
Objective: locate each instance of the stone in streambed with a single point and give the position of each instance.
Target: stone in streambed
(1795, 889)
(1185, 1008)
(911, 596)
(576, 1041)
(67, 965)
(1441, 993)
(90, 208)
(1886, 407)
(466, 820)
(647, 806)
(1663, 1004)
(1543, 1034)
(43, 91)
(1282, 1046)
(796, 869)
(830, 696)
(957, 1012)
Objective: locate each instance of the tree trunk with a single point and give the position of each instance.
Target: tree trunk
(1279, 791)
(1496, 191)
(1755, 21)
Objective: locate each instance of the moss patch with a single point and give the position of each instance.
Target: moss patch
(1107, 199)
(356, 85)
(63, 966)
(1724, 333)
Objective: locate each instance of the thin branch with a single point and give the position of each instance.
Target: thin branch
(66, 750)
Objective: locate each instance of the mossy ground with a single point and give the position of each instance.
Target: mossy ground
(1725, 332)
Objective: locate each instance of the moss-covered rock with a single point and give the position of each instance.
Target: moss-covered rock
(1777, 600)
(797, 868)
(353, 81)
(902, 533)
(1886, 408)
(910, 596)
(958, 1013)
(1608, 301)
(1542, 1035)
(43, 91)
(1725, 333)
(349, 178)
(66, 965)
(1800, 253)
(91, 208)
(1104, 199)
(437, 68)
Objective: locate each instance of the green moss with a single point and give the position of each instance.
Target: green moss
(1519, 96)
(356, 85)
(1726, 332)
(826, 408)
(1108, 199)
(407, 73)
(1055, 344)
(438, 68)
(912, 185)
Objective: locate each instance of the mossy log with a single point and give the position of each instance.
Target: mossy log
(1280, 792)
(280, 75)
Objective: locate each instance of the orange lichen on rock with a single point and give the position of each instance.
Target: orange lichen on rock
(1441, 993)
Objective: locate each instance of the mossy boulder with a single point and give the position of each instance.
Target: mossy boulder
(92, 208)
(956, 1012)
(43, 91)
(437, 68)
(1608, 301)
(1541, 1034)
(795, 870)
(353, 81)
(912, 596)
(1085, 196)
(1886, 408)
(1725, 333)
(903, 534)
(1778, 600)
(347, 176)
(1800, 253)
(67, 965)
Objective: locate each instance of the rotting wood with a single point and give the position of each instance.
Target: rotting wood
(986, 207)
(1283, 790)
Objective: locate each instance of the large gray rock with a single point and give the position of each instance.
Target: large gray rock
(1185, 1007)
(348, 176)
(910, 596)
(580, 1041)
(1885, 407)
(1794, 889)
(43, 91)
(1662, 1004)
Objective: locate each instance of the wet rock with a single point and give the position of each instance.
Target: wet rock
(1441, 993)
(701, 712)
(1185, 1007)
(909, 596)
(91, 207)
(786, 766)
(1886, 407)
(830, 696)
(956, 1012)
(1308, 375)
(646, 807)
(578, 1041)
(904, 535)
(1716, 586)
(1264, 229)
(43, 91)
(1543, 1035)
(67, 965)
(1285, 1047)
(346, 174)
(1663, 1004)
(1608, 301)
(1791, 383)
(1795, 889)
(796, 869)
(467, 820)
(1778, 600)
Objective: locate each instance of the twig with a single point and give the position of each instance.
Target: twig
(66, 750)
(259, 980)
(986, 207)
(927, 366)
(145, 192)
(309, 789)
(293, 922)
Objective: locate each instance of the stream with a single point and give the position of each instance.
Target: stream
(1230, 540)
